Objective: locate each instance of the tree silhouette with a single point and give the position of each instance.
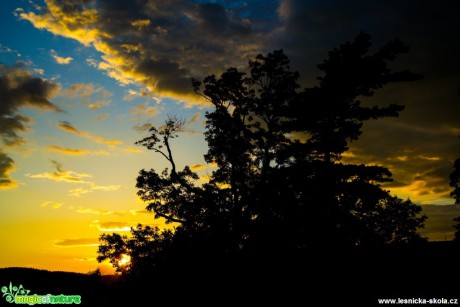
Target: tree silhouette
(280, 186)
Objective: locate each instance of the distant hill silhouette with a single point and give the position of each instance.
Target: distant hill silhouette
(93, 289)
(423, 271)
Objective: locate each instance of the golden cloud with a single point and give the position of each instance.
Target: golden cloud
(132, 149)
(61, 175)
(77, 242)
(141, 23)
(69, 151)
(60, 60)
(78, 192)
(113, 226)
(67, 127)
(77, 24)
(196, 167)
(52, 204)
(92, 211)
(105, 187)
(150, 62)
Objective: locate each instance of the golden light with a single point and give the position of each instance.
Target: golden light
(124, 261)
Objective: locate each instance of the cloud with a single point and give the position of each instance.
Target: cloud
(61, 175)
(420, 157)
(102, 117)
(132, 149)
(69, 151)
(439, 225)
(158, 46)
(6, 167)
(5, 49)
(145, 109)
(84, 210)
(67, 127)
(71, 20)
(194, 118)
(77, 242)
(19, 89)
(94, 97)
(60, 60)
(143, 127)
(77, 192)
(196, 167)
(81, 90)
(113, 226)
(104, 187)
(141, 23)
(92, 211)
(199, 166)
(98, 104)
(52, 204)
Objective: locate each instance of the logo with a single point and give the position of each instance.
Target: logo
(20, 295)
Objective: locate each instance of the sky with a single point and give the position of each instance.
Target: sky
(82, 80)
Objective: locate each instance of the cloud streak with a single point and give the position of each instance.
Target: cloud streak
(67, 127)
(77, 242)
(76, 152)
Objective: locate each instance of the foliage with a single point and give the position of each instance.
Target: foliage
(280, 185)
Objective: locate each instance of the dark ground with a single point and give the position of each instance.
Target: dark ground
(331, 278)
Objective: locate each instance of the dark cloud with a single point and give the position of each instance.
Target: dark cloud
(19, 89)
(439, 225)
(6, 166)
(161, 44)
(420, 146)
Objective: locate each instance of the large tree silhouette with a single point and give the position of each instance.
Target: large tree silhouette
(280, 186)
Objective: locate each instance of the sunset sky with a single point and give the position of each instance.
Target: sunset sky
(80, 82)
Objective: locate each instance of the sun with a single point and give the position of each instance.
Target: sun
(124, 260)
